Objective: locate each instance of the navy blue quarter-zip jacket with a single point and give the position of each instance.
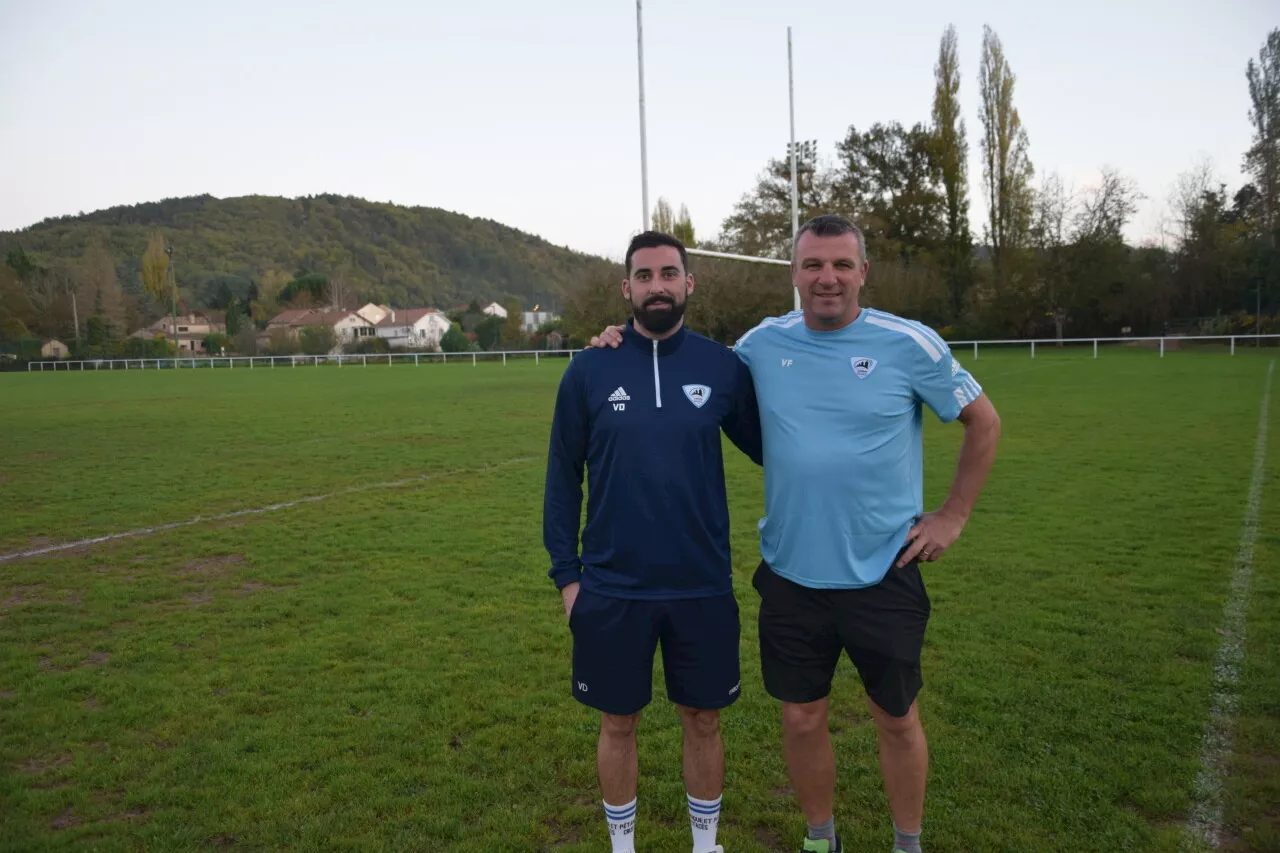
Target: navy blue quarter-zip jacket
(645, 420)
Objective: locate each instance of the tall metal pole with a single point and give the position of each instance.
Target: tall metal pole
(795, 201)
(173, 317)
(644, 151)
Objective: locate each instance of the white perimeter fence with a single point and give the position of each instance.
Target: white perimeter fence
(473, 358)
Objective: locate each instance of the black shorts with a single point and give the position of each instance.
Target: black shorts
(881, 627)
(614, 640)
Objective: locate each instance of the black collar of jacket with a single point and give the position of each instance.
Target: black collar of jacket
(666, 346)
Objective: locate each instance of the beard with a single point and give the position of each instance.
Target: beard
(659, 314)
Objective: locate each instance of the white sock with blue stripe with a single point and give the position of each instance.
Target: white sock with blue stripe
(622, 826)
(704, 819)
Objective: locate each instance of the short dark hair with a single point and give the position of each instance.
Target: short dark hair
(652, 240)
(832, 225)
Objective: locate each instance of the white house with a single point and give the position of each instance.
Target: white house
(347, 326)
(531, 321)
(54, 348)
(417, 328)
(191, 330)
(493, 309)
(373, 313)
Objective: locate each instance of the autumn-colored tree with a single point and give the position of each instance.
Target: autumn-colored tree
(155, 269)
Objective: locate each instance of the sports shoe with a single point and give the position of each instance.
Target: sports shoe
(717, 849)
(821, 845)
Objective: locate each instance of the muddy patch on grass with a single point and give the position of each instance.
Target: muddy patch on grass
(96, 659)
(20, 595)
(109, 805)
(36, 766)
(66, 820)
(253, 587)
(195, 599)
(769, 838)
(210, 566)
(564, 835)
(91, 703)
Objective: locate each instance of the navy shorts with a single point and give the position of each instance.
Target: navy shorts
(614, 640)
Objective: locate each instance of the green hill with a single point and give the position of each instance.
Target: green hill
(403, 256)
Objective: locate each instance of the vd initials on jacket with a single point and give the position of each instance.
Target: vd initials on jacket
(696, 393)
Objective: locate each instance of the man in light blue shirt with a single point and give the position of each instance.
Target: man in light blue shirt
(840, 391)
(843, 476)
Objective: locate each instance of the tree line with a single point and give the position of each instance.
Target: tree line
(1048, 260)
(249, 258)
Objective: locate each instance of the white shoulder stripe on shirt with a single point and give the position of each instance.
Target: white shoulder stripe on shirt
(786, 321)
(937, 338)
(967, 392)
(915, 334)
(924, 329)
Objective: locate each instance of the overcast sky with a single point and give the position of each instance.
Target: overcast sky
(527, 113)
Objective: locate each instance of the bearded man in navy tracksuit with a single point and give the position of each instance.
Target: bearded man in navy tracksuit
(654, 568)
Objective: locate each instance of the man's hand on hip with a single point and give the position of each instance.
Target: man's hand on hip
(569, 594)
(931, 536)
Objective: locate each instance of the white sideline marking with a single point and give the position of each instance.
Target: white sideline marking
(1205, 823)
(200, 519)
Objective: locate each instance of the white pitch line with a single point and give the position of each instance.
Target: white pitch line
(1205, 823)
(201, 519)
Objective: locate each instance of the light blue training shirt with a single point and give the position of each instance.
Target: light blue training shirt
(841, 418)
